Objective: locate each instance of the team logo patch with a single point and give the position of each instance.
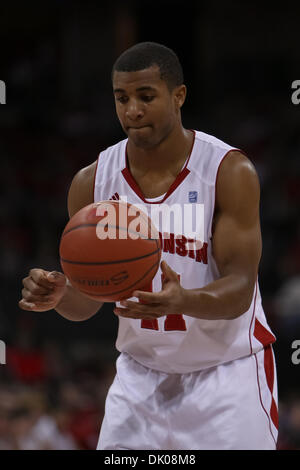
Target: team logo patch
(193, 196)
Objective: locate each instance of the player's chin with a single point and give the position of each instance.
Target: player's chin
(143, 137)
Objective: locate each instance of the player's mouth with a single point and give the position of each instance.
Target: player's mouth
(137, 128)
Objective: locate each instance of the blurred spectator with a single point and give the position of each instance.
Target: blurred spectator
(31, 428)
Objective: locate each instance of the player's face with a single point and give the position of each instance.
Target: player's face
(147, 110)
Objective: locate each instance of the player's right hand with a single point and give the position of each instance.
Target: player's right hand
(42, 290)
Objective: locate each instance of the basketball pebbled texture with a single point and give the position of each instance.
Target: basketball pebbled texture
(109, 269)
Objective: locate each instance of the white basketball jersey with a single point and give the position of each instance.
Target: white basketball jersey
(179, 343)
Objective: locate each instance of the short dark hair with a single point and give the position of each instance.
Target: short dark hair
(145, 54)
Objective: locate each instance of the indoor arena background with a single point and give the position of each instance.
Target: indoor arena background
(239, 61)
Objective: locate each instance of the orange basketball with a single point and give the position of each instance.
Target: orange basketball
(109, 249)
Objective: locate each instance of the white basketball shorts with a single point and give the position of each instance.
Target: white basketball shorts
(231, 406)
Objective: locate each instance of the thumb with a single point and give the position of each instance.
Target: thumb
(168, 273)
(57, 278)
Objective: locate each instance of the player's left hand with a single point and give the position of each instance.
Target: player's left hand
(170, 300)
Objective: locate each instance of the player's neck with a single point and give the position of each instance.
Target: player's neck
(169, 155)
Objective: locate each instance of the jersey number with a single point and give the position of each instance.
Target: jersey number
(172, 322)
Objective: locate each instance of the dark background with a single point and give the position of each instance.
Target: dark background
(239, 61)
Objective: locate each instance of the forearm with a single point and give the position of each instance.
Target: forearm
(226, 298)
(76, 307)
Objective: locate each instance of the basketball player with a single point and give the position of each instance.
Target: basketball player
(196, 368)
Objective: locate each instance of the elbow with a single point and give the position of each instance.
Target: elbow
(245, 300)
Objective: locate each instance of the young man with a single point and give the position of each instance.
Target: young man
(196, 367)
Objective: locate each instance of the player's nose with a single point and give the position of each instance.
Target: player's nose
(134, 111)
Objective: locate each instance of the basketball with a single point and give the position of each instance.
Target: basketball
(109, 249)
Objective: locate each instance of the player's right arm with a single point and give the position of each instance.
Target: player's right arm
(44, 290)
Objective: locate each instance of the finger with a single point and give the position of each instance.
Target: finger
(34, 307)
(168, 272)
(36, 289)
(148, 297)
(57, 278)
(130, 304)
(30, 297)
(39, 276)
(126, 313)
(24, 305)
(137, 307)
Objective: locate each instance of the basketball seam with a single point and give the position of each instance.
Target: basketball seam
(109, 226)
(96, 263)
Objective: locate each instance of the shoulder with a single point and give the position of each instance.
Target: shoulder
(86, 174)
(81, 192)
(237, 181)
(236, 165)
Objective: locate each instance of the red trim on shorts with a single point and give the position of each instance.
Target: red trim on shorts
(95, 175)
(261, 402)
(269, 368)
(180, 177)
(266, 338)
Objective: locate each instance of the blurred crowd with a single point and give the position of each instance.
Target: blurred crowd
(59, 115)
(52, 398)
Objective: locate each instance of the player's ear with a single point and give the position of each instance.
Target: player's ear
(179, 94)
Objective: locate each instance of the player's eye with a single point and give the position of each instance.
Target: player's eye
(122, 99)
(148, 98)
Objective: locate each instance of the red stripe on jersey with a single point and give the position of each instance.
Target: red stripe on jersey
(178, 180)
(274, 414)
(262, 334)
(135, 187)
(132, 183)
(268, 363)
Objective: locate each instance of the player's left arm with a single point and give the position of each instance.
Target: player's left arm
(236, 244)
